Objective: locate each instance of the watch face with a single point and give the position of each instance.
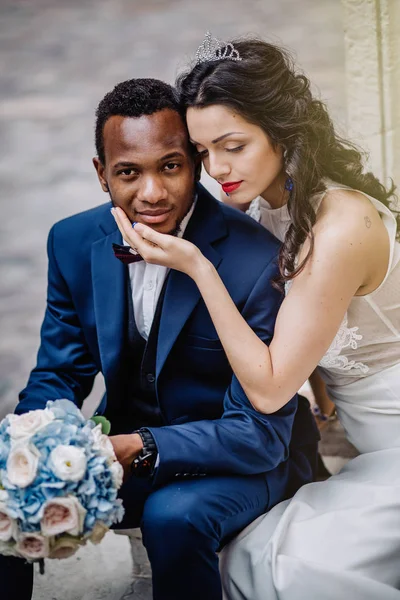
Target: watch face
(142, 466)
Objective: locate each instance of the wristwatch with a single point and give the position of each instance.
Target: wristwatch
(143, 464)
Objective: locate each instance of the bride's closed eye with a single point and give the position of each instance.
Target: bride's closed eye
(203, 153)
(236, 149)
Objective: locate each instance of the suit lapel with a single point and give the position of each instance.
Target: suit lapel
(109, 283)
(181, 295)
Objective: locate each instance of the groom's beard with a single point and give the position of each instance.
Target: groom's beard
(176, 229)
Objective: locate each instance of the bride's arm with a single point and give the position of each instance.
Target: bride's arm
(307, 321)
(310, 314)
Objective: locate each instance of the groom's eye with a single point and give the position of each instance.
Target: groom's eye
(127, 172)
(171, 166)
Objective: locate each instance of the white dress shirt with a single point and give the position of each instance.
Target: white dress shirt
(146, 282)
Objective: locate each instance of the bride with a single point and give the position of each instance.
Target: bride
(261, 134)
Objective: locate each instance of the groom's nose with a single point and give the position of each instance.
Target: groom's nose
(151, 190)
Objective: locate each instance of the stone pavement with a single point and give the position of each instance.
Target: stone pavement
(57, 60)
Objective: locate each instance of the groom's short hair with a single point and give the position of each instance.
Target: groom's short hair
(133, 98)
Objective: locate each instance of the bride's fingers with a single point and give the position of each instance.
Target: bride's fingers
(147, 250)
(154, 237)
(139, 231)
(148, 243)
(118, 220)
(124, 224)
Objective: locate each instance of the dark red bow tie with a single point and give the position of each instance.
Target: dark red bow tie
(126, 254)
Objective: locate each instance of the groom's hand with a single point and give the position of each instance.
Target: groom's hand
(127, 448)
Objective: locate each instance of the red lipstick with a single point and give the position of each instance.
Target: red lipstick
(231, 186)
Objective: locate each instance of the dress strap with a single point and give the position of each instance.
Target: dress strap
(381, 315)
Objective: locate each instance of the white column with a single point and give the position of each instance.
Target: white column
(372, 44)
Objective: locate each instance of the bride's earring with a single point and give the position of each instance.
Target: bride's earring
(289, 181)
(289, 185)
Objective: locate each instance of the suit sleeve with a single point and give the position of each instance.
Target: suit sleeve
(243, 441)
(65, 368)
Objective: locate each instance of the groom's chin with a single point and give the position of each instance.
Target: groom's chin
(167, 228)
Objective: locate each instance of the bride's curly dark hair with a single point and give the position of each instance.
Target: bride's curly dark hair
(266, 89)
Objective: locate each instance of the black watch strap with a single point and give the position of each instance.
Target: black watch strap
(143, 464)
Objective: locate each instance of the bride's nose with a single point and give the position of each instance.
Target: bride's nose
(218, 166)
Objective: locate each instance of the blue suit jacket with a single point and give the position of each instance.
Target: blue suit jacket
(210, 426)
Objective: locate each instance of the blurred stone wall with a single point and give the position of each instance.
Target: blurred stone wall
(372, 48)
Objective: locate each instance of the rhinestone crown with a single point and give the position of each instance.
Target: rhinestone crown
(213, 49)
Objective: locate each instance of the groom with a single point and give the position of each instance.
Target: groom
(200, 462)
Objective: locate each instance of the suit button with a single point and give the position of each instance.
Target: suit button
(150, 378)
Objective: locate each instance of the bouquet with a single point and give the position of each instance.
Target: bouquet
(59, 479)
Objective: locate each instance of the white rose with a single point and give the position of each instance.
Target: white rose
(32, 546)
(103, 445)
(63, 515)
(98, 532)
(69, 462)
(64, 547)
(8, 526)
(24, 426)
(11, 418)
(22, 464)
(3, 496)
(117, 474)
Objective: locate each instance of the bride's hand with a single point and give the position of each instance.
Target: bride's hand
(160, 248)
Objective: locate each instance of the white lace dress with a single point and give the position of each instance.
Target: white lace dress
(339, 538)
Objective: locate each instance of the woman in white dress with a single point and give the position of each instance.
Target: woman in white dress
(261, 133)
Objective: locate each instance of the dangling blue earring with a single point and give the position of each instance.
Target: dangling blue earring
(289, 185)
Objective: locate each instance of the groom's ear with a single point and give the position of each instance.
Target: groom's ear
(100, 170)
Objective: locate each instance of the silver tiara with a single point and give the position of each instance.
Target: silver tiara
(213, 49)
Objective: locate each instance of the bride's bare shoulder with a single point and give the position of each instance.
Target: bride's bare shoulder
(347, 210)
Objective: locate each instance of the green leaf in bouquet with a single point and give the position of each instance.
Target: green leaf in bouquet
(105, 423)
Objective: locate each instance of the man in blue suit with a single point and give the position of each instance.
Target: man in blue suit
(200, 462)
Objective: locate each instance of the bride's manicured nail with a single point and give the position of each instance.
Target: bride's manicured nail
(134, 223)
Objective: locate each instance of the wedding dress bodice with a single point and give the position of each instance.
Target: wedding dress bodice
(368, 339)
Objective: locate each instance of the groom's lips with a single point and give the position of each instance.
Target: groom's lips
(231, 186)
(155, 216)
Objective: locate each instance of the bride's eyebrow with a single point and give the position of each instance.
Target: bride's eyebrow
(220, 138)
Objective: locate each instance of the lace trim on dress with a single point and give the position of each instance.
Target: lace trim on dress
(346, 337)
(254, 210)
